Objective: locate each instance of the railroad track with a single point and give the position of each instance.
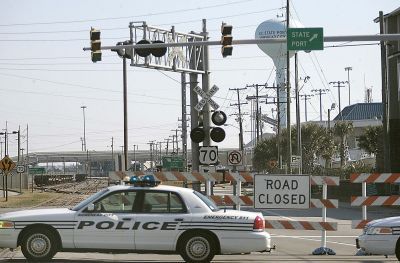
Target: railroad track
(73, 193)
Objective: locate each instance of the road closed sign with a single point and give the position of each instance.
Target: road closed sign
(281, 191)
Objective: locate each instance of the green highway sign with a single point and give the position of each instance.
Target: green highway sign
(306, 39)
(172, 163)
(37, 170)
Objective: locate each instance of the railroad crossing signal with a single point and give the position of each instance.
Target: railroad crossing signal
(144, 52)
(206, 97)
(6, 164)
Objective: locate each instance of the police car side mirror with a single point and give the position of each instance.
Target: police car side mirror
(90, 208)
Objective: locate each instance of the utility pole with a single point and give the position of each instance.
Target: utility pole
(205, 80)
(298, 125)
(289, 130)
(84, 129)
(339, 84)
(348, 78)
(256, 98)
(151, 143)
(167, 141)
(184, 120)
(320, 92)
(240, 117)
(386, 144)
(306, 97)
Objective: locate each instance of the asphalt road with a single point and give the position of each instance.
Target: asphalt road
(291, 245)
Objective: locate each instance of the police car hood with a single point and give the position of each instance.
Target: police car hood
(39, 214)
(389, 221)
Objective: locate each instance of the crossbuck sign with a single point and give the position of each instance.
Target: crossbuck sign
(206, 97)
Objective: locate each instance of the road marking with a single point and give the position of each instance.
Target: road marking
(319, 240)
(276, 214)
(275, 235)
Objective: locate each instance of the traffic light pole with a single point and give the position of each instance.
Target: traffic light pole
(205, 80)
(194, 115)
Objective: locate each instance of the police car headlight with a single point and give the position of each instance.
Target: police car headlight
(6, 224)
(379, 231)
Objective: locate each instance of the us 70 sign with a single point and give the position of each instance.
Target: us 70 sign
(208, 155)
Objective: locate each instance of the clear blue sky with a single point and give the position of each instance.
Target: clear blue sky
(46, 77)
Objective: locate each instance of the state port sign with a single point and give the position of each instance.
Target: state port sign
(281, 191)
(306, 39)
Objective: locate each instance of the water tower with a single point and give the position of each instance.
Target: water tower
(274, 28)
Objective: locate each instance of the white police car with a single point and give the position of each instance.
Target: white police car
(381, 237)
(162, 219)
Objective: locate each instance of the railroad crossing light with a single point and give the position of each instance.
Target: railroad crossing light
(95, 45)
(197, 135)
(144, 52)
(226, 40)
(217, 134)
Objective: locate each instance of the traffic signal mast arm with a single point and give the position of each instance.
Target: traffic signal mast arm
(359, 38)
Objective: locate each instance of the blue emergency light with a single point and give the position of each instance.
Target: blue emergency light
(147, 180)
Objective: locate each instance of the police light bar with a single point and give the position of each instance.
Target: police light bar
(147, 180)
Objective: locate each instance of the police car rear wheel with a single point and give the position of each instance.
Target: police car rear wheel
(39, 245)
(197, 248)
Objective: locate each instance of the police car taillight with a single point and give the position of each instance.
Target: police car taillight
(259, 223)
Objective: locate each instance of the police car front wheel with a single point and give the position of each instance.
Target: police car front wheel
(197, 248)
(39, 245)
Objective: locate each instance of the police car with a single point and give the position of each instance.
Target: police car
(140, 219)
(381, 237)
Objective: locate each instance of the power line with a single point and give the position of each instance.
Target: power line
(124, 17)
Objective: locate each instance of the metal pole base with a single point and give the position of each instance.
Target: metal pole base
(323, 251)
(361, 252)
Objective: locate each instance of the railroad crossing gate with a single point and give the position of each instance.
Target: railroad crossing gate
(6, 164)
(206, 97)
(235, 157)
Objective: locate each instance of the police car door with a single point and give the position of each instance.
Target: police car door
(107, 223)
(161, 214)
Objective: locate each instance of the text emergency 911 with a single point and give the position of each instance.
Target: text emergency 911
(282, 191)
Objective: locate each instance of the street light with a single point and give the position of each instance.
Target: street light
(84, 128)
(348, 78)
(333, 106)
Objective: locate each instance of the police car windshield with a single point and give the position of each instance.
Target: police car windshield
(89, 200)
(207, 201)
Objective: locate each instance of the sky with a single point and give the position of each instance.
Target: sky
(46, 77)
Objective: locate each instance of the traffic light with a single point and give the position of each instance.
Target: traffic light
(95, 44)
(144, 52)
(226, 40)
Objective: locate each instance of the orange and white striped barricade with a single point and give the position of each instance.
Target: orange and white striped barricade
(238, 178)
(364, 201)
(300, 225)
(324, 203)
(245, 200)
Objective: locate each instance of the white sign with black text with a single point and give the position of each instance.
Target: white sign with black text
(281, 191)
(208, 155)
